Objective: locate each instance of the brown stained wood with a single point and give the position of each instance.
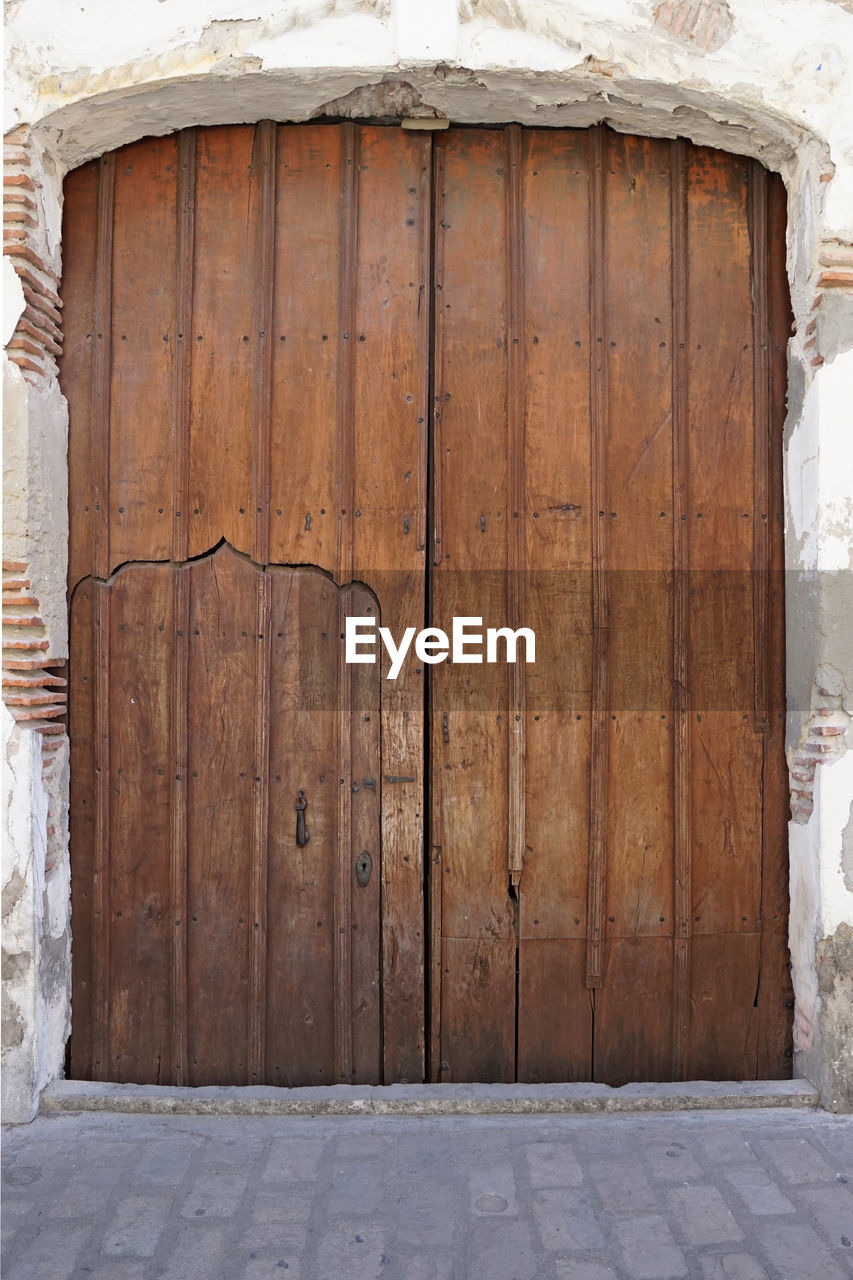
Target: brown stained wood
(554, 1011)
(179, 623)
(724, 987)
(260, 829)
(726, 754)
(222, 675)
(390, 405)
(343, 873)
(145, 349)
(305, 312)
(517, 710)
(761, 514)
(262, 202)
(181, 341)
(637, 456)
(477, 1009)
(681, 511)
(225, 346)
(101, 906)
(306, 322)
(300, 1012)
(365, 798)
(138, 856)
(79, 251)
(775, 995)
(599, 733)
(102, 367)
(553, 891)
(471, 703)
(82, 690)
(345, 407)
(633, 1012)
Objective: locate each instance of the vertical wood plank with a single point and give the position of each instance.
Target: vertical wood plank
(220, 804)
(365, 794)
(599, 500)
(343, 865)
(146, 346)
(182, 340)
(516, 825)
(83, 728)
(554, 1006)
(259, 886)
(263, 198)
(101, 870)
(681, 605)
(180, 625)
(761, 440)
(141, 761)
(225, 345)
(101, 365)
(79, 255)
(344, 497)
(470, 704)
(391, 363)
(435, 866)
(726, 752)
(300, 1033)
(775, 992)
(345, 406)
(306, 319)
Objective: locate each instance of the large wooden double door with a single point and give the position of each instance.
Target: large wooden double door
(531, 376)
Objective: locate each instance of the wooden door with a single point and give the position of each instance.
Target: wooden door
(246, 369)
(232, 937)
(608, 859)
(281, 341)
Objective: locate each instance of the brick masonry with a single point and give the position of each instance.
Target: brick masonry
(34, 692)
(37, 340)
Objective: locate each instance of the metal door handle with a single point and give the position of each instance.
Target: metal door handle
(302, 836)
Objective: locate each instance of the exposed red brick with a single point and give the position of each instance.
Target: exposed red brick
(18, 343)
(35, 643)
(24, 363)
(836, 279)
(15, 199)
(18, 216)
(52, 303)
(19, 180)
(45, 342)
(24, 680)
(19, 250)
(14, 598)
(42, 305)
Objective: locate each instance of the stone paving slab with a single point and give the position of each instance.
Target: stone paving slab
(718, 1195)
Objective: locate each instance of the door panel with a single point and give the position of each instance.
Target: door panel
(247, 359)
(280, 342)
(219, 946)
(608, 420)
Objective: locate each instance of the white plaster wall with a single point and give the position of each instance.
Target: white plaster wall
(35, 1017)
(778, 86)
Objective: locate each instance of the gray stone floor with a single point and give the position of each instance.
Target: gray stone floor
(733, 1195)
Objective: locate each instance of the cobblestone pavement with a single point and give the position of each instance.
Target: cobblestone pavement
(737, 1195)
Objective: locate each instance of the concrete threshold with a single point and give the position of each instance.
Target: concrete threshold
(425, 1099)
